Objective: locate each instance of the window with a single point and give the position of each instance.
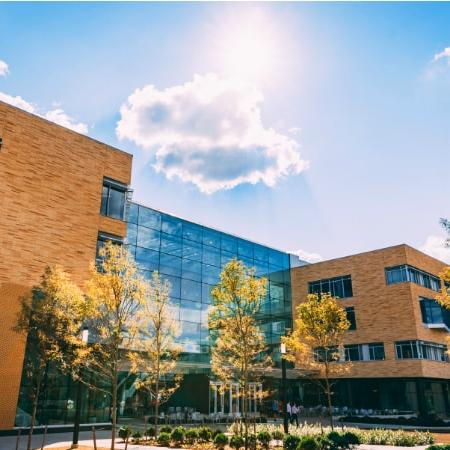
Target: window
(211, 238)
(352, 353)
(191, 290)
(113, 199)
(364, 352)
(326, 354)
(376, 351)
(102, 238)
(340, 287)
(406, 273)
(171, 225)
(421, 350)
(351, 317)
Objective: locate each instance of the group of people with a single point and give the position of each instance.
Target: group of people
(293, 410)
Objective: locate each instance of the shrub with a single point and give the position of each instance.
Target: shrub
(124, 432)
(438, 447)
(291, 442)
(251, 441)
(150, 432)
(191, 435)
(264, 439)
(164, 439)
(277, 435)
(165, 429)
(336, 440)
(177, 435)
(351, 439)
(137, 435)
(308, 443)
(237, 441)
(214, 433)
(220, 440)
(204, 433)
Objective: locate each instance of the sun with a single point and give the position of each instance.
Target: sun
(248, 47)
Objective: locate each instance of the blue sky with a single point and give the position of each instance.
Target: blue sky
(321, 127)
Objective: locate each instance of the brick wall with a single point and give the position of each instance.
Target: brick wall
(50, 193)
(383, 313)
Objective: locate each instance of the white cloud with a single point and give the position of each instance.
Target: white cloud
(435, 246)
(61, 118)
(209, 132)
(55, 115)
(4, 69)
(17, 101)
(308, 257)
(445, 54)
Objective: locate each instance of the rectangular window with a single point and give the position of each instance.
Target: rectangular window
(421, 350)
(192, 270)
(364, 352)
(102, 238)
(406, 273)
(352, 353)
(211, 238)
(340, 287)
(149, 218)
(191, 290)
(431, 311)
(376, 351)
(171, 225)
(326, 354)
(148, 238)
(192, 232)
(113, 199)
(350, 311)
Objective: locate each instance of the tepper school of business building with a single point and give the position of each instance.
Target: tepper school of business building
(62, 194)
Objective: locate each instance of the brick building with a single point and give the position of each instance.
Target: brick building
(50, 192)
(398, 335)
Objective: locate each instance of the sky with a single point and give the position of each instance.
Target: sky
(316, 128)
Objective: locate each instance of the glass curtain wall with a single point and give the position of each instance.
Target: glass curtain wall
(191, 257)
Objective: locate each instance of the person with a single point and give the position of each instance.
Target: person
(275, 408)
(289, 411)
(294, 411)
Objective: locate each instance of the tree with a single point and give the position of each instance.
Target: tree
(115, 294)
(444, 296)
(238, 347)
(157, 352)
(317, 340)
(51, 317)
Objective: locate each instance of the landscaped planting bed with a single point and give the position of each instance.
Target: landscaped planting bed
(263, 437)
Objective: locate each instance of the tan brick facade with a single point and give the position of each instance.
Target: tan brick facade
(50, 194)
(384, 313)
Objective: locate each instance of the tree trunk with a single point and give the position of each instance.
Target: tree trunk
(330, 407)
(34, 409)
(114, 410)
(156, 407)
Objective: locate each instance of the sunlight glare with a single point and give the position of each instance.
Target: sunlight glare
(248, 48)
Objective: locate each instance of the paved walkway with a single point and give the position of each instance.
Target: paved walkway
(9, 442)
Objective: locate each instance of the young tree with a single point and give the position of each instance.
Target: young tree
(444, 296)
(317, 340)
(51, 318)
(115, 294)
(157, 351)
(238, 347)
